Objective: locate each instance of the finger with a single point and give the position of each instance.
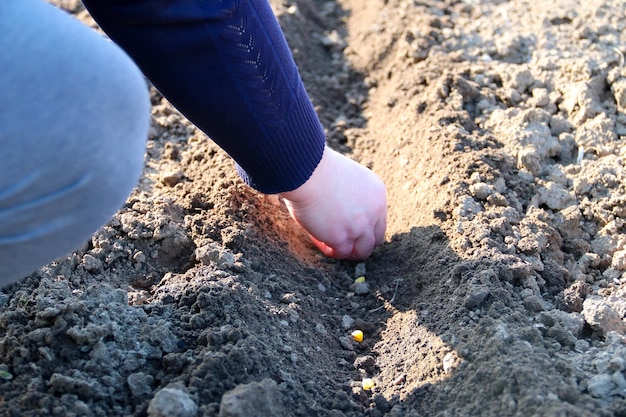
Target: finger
(323, 247)
(363, 246)
(379, 230)
(343, 251)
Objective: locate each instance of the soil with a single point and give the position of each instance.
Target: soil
(498, 127)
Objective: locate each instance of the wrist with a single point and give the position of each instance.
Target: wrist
(310, 190)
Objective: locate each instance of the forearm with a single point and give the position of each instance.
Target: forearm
(227, 67)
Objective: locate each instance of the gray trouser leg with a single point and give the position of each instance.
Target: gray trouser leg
(74, 116)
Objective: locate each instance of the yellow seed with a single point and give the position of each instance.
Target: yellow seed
(368, 384)
(360, 279)
(357, 335)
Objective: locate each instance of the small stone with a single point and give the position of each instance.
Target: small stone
(601, 316)
(359, 270)
(558, 125)
(346, 322)
(171, 178)
(616, 364)
(4, 298)
(346, 343)
(481, 190)
(382, 403)
(399, 380)
(172, 402)
(528, 159)
(619, 260)
(582, 345)
(213, 253)
(574, 296)
(140, 384)
(319, 327)
(541, 97)
(476, 299)
(572, 322)
(171, 151)
(366, 363)
(534, 303)
(619, 380)
(63, 384)
(468, 208)
(449, 360)
(554, 196)
(288, 298)
(600, 386)
(361, 288)
(568, 393)
(253, 399)
(80, 408)
(619, 90)
(91, 263)
(561, 335)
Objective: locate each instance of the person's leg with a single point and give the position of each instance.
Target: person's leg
(74, 116)
(227, 67)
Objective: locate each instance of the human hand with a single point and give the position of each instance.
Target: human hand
(343, 206)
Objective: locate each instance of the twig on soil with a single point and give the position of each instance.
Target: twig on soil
(581, 155)
(620, 54)
(390, 301)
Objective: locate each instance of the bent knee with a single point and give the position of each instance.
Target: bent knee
(37, 228)
(73, 139)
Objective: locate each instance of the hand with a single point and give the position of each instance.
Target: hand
(343, 206)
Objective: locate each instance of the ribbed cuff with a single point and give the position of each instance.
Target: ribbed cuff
(298, 144)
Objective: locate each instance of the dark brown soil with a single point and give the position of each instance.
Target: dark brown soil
(497, 127)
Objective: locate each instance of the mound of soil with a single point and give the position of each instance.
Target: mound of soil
(498, 127)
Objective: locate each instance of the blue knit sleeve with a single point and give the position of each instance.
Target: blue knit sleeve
(226, 66)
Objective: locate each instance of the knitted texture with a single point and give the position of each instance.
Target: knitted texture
(226, 66)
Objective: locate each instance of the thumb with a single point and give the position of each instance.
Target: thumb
(323, 247)
(332, 252)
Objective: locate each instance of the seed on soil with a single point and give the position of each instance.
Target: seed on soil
(368, 384)
(357, 335)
